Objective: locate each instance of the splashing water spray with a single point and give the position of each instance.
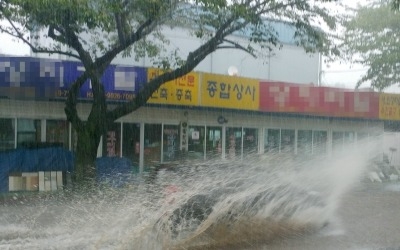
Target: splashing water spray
(209, 205)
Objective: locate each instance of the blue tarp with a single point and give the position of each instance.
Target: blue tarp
(116, 171)
(33, 160)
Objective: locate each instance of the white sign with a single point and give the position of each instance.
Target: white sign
(195, 135)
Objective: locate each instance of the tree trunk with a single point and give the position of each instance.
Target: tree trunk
(86, 152)
(89, 132)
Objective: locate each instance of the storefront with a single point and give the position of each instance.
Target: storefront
(154, 135)
(200, 116)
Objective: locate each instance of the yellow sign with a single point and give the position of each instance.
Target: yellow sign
(389, 106)
(181, 91)
(229, 92)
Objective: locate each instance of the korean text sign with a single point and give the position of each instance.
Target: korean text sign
(229, 92)
(181, 91)
(389, 106)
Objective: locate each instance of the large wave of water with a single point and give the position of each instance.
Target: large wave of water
(209, 205)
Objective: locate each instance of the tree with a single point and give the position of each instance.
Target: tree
(134, 27)
(396, 4)
(372, 39)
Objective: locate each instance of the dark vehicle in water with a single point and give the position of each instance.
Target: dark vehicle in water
(209, 200)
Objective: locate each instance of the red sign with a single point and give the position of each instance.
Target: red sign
(312, 100)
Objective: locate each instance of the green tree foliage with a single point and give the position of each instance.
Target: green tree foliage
(372, 39)
(96, 31)
(396, 4)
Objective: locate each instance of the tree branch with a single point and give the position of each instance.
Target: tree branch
(34, 49)
(120, 29)
(122, 45)
(144, 94)
(72, 100)
(142, 31)
(235, 45)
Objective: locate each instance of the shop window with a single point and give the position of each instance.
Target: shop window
(287, 141)
(233, 144)
(320, 139)
(28, 132)
(131, 141)
(250, 141)
(112, 141)
(337, 140)
(362, 137)
(304, 142)
(152, 144)
(376, 137)
(7, 134)
(171, 140)
(272, 139)
(349, 138)
(214, 142)
(57, 132)
(196, 138)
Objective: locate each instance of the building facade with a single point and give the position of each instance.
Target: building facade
(199, 116)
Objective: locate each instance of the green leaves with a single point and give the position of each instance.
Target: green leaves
(396, 4)
(372, 38)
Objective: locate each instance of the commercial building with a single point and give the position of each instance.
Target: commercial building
(230, 107)
(201, 115)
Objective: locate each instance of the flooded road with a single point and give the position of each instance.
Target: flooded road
(368, 218)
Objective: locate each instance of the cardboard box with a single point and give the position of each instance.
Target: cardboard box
(31, 181)
(53, 180)
(60, 183)
(15, 183)
(47, 181)
(41, 181)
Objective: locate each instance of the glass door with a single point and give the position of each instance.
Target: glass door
(131, 142)
(213, 142)
(171, 142)
(196, 139)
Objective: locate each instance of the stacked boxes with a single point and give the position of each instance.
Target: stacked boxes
(31, 181)
(50, 180)
(15, 183)
(36, 181)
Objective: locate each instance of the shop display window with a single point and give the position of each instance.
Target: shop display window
(171, 141)
(28, 132)
(7, 134)
(250, 141)
(196, 140)
(287, 141)
(362, 137)
(57, 132)
(213, 142)
(304, 142)
(272, 139)
(112, 141)
(152, 144)
(319, 142)
(131, 141)
(233, 144)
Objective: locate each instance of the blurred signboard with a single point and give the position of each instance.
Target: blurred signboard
(322, 101)
(389, 106)
(181, 91)
(43, 79)
(39, 78)
(229, 92)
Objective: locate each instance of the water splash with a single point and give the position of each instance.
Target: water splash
(208, 205)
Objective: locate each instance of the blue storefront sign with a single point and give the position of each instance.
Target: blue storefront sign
(38, 78)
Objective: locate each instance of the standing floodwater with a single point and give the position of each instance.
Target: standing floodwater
(214, 205)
